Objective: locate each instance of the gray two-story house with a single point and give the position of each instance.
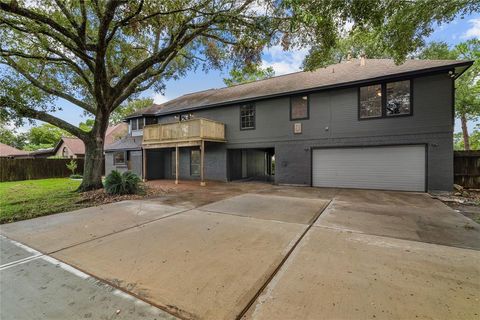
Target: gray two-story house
(358, 124)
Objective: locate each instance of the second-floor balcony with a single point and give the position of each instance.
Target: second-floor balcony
(188, 131)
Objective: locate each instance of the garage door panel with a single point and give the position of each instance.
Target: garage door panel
(390, 168)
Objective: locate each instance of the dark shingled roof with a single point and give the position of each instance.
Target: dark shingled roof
(127, 143)
(337, 75)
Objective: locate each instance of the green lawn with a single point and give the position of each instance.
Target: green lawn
(20, 200)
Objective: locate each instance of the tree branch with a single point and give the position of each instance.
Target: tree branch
(64, 42)
(124, 22)
(10, 62)
(77, 69)
(29, 112)
(67, 14)
(13, 7)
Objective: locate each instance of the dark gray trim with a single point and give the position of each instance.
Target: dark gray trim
(122, 149)
(453, 102)
(372, 146)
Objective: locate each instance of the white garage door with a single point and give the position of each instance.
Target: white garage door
(389, 168)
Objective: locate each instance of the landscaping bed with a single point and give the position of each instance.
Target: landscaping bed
(465, 201)
(21, 200)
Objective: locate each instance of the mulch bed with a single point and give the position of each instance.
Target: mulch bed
(465, 201)
(99, 197)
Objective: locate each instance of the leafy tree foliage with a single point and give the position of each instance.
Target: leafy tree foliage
(249, 73)
(99, 54)
(467, 87)
(11, 137)
(458, 142)
(128, 108)
(377, 27)
(87, 126)
(44, 136)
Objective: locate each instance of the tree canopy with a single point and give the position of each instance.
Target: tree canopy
(128, 108)
(467, 87)
(249, 73)
(11, 137)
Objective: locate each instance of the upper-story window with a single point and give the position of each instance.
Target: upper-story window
(398, 98)
(299, 107)
(136, 125)
(247, 116)
(371, 101)
(151, 120)
(385, 100)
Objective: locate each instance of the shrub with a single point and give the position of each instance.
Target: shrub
(72, 166)
(125, 183)
(76, 176)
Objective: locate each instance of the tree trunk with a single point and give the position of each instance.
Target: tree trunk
(466, 138)
(93, 165)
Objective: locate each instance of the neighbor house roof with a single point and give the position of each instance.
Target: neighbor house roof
(8, 151)
(78, 147)
(337, 75)
(74, 144)
(43, 152)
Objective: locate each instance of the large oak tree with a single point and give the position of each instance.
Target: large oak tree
(96, 54)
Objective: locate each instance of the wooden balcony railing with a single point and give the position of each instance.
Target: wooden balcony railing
(184, 131)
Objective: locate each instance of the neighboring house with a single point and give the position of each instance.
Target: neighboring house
(359, 124)
(69, 147)
(7, 151)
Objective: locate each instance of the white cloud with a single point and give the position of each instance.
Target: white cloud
(474, 31)
(283, 62)
(159, 98)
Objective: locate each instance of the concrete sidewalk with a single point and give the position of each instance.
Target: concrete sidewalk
(281, 253)
(36, 286)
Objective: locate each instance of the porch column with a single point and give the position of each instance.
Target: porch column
(202, 163)
(176, 164)
(144, 164)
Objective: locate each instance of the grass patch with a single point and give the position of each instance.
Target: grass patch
(20, 200)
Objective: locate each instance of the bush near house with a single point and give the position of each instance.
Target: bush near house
(123, 183)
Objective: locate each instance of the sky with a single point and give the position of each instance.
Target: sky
(282, 62)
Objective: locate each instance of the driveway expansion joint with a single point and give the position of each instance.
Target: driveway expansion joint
(248, 217)
(118, 231)
(392, 237)
(280, 265)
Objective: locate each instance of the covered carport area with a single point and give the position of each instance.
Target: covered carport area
(256, 164)
(177, 150)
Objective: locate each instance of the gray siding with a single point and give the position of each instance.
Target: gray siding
(334, 122)
(135, 163)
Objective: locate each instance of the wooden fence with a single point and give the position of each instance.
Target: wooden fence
(467, 168)
(39, 168)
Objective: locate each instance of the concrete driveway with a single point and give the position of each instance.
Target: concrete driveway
(256, 252)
